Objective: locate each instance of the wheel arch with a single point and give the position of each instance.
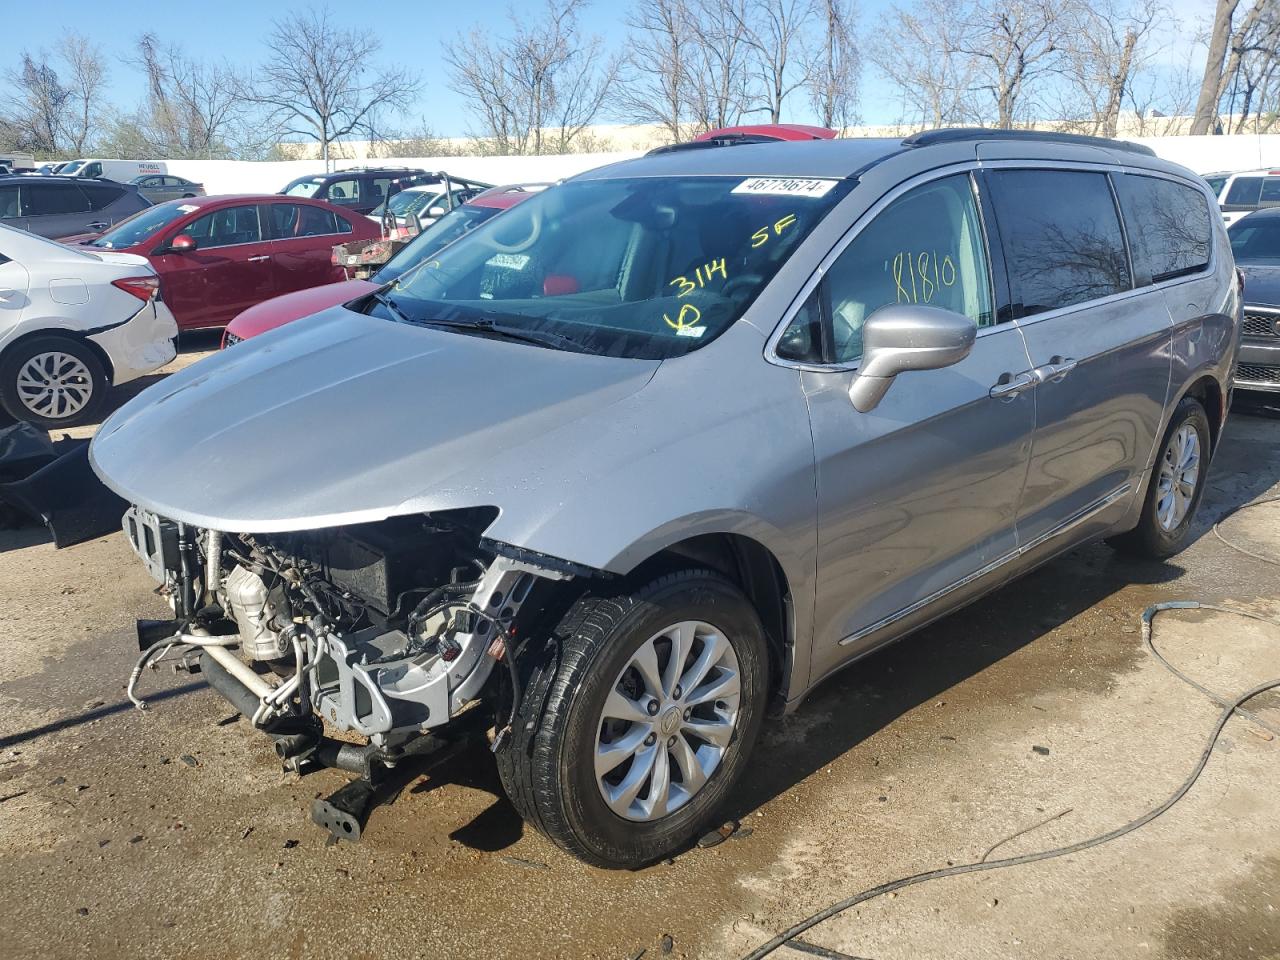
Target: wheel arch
(75, 335)
(756, 571)
(1206, 388)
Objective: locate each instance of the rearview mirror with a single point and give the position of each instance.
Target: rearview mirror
(902, 337)
(182, 243)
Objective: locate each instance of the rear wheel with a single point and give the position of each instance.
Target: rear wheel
(1175, 487)
(52, 381)
(638, 718)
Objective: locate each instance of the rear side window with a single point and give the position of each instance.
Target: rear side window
(343, 191)
(1061, 235)
(1169, 225)
(43, 200)
(289, 221)
(101, 194)
(1270, 192)
(1244, 191)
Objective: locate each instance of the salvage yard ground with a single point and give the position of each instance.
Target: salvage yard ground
(170, 834)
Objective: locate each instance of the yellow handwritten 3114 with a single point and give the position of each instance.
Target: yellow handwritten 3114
(920, 275)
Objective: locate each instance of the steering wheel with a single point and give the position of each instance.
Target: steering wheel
(742, 280)
(520, 246)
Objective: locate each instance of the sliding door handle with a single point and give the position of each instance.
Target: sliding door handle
(1008, 389)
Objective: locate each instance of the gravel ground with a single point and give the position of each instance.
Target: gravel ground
(166, 834)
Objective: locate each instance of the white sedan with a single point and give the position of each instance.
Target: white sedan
(73, 324)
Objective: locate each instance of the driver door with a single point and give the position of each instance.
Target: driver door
(917, 498)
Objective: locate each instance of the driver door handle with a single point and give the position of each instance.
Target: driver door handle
(98, 225)
(1013, 386)
(1058, 369)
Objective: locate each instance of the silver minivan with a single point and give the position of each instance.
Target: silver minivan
(668, 444)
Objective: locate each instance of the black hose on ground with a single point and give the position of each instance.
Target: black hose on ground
(1229, 706)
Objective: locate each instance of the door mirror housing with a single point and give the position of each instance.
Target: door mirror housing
(902, 337)
(436, 211)
(182, 243)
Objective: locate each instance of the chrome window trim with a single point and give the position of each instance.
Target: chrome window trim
(1079, 517)
(824, 265)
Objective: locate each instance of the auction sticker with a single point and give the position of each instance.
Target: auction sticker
(786, 186)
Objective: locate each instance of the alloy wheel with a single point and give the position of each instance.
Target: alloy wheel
(1179, 474)
(668, 720)
(55, 385)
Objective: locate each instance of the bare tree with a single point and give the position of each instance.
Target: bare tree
(86, 75)
(920, 54)
(1015, 45)
(1206, 117)
(835, 65)
(54, 104)
(319, 81)
(1110, 43)
(537, 90)
(774, 31)
(657, 69)
(720, 76)
(193, 109)
(1252, 73)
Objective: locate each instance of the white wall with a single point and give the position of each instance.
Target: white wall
(245, 176)
(1244, 151)
(1201, 154)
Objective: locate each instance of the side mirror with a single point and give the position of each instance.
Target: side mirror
(902, 337)
(182, 243)
(436, 211)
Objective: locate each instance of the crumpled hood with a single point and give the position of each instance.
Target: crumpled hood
(340, 418)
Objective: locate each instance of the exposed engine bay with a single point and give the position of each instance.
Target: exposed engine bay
(386, 630)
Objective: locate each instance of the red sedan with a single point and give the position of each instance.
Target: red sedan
(217, 256)
(437, 236)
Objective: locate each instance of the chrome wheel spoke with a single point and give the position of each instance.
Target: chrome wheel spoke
(667, 721)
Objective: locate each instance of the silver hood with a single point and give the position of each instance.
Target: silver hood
(340, 418)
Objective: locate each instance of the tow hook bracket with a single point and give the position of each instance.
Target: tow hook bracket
(344, 812)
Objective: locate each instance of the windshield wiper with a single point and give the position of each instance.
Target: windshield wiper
(542, 338)
(391, 305)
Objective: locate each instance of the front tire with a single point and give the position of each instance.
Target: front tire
(52, 381)
(637, 718)
(1175, 487)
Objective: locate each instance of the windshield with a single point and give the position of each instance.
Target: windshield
(73, 166)
(1216, 184)
(434, 239)
(141, 226)
(650, 267)
(303, 188)
(1256, 239)
(406, 203)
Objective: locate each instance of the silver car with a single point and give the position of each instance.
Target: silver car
(161, 187)
(670, 443)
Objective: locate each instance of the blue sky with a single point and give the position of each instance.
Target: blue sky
(232, 28)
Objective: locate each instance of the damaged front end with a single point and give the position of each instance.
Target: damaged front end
(386, 630)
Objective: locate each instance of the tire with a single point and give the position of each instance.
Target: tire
(76, 401)
(1155, 537)
(547, 764)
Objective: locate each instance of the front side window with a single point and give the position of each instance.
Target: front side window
(1256, 239)
(344, 191)
(8, 202)
(432, 240)
(1244, 192)
(926, 247)
(1169, 224)
(226, 227)
(1061, 235)
(43, 200)
(646, 267)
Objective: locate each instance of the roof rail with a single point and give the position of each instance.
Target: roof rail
(962, 134)
(722, 140)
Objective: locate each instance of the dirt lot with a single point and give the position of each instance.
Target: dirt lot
(166, 834)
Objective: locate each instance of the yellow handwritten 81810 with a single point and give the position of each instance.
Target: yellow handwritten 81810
(919, 275)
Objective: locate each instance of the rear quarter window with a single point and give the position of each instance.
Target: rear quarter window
(101, 194)
(1169, 224)
(1061, 235)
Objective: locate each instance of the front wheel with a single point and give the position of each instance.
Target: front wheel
(1175, 487)
(638, 718)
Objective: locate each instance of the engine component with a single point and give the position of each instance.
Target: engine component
(246, 596)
